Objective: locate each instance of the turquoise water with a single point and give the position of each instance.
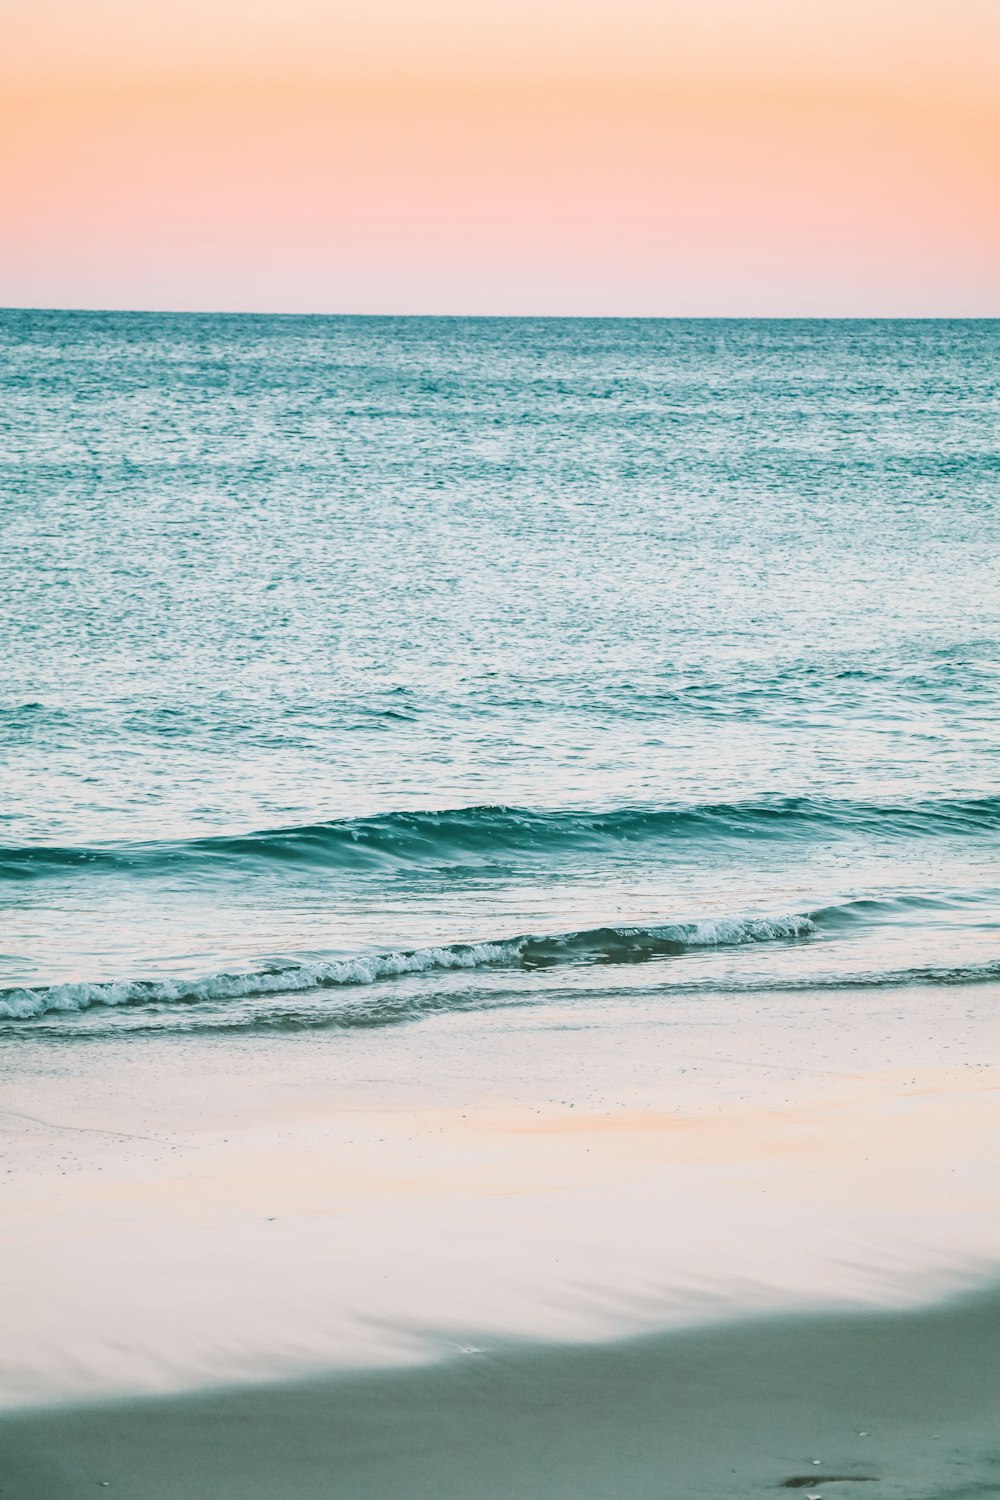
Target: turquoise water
(359, 669)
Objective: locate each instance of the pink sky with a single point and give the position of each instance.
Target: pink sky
(599, 156)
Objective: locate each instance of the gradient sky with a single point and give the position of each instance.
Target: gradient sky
(524, 156)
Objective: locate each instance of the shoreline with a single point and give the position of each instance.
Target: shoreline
(905, 1399)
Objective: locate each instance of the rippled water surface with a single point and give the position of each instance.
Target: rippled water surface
(359, 668)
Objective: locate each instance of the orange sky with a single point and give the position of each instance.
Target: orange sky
(599, 156)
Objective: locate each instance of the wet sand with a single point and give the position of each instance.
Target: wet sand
(903, 1404)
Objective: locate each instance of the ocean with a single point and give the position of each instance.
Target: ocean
(358, 669)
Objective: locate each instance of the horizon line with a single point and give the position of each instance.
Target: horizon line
(534, 317)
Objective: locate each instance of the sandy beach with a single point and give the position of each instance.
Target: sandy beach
(683, 1259)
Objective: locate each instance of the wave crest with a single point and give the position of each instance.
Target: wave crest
(594, 945)
(488, 834)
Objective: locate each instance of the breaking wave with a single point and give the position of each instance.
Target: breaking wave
(609, 945)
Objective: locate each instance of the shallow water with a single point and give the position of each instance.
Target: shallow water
(359, 668)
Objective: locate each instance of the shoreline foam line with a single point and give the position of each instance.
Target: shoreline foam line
(595, 945)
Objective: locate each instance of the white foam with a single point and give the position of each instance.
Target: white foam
(24, 1003)
(21, 1004)
(731, 931)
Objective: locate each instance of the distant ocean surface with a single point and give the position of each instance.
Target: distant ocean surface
(360, 669)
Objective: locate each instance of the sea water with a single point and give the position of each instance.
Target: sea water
(358, 669)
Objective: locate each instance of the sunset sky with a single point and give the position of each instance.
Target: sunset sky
(507, 156)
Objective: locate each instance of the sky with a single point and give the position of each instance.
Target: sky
(621, 157)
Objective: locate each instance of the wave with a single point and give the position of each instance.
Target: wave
(610, 945)
(489, 834)
(291, 1011)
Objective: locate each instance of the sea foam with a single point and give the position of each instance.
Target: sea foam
(593, 945)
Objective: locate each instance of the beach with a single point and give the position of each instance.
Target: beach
(498, 894)
(507, 1254)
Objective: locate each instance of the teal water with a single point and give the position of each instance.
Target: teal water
(357, 669)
